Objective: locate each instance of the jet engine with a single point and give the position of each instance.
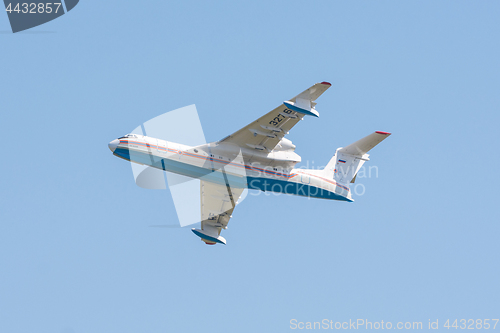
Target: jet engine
(284, 145)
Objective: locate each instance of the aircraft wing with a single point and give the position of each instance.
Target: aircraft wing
(266, 132)
(217, 205)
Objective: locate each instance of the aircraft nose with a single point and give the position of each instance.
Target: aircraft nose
(113, 144)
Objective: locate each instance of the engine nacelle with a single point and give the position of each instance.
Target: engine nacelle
(284, 145)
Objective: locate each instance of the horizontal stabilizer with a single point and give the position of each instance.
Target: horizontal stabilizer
(361, 147)
(347, 161)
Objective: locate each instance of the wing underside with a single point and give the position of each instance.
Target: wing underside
(217, 205)
(266, 132)
(218, 199)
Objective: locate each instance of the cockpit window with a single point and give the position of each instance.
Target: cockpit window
(129, 136)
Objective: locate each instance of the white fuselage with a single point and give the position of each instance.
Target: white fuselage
(221, 162)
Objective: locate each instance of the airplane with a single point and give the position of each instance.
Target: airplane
(257, 157)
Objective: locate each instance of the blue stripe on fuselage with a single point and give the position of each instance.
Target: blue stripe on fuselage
(257, 183)
(293, 188)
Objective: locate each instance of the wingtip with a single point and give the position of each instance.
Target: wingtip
(326, 83)
(384, 133)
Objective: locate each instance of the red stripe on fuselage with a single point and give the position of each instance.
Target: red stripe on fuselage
(209, 158)
(232, 163)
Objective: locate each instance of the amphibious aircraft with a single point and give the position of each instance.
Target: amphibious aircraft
(258, 157)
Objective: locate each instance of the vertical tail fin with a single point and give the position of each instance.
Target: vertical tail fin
(347, 161)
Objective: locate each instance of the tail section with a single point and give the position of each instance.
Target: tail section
(347, 161)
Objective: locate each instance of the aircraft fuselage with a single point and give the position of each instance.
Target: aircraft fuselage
(225, 163)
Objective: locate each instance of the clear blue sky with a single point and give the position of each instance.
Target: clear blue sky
(76, 250)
